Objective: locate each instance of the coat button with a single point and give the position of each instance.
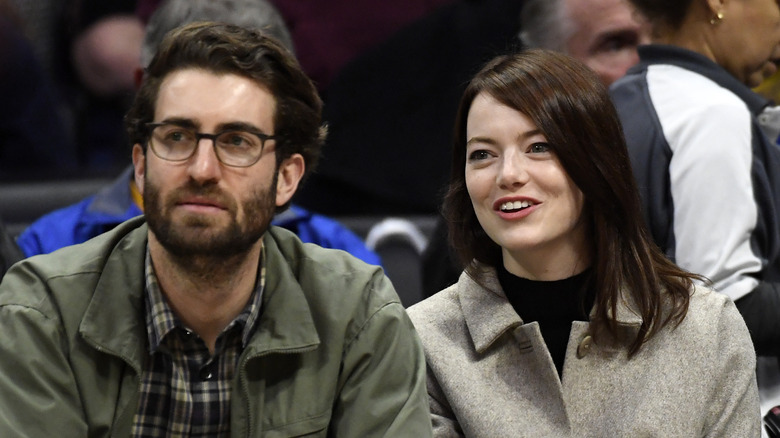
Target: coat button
(584, 347)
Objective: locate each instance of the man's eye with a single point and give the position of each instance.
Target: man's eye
(621, 41)
(177, 135)
(237, 140)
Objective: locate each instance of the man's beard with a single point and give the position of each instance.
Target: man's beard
(197, 237)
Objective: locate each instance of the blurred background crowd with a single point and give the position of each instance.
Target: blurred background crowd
(390, 74)
(69, 73)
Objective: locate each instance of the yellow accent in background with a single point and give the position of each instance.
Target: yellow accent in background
(770, 88)
(136, 195)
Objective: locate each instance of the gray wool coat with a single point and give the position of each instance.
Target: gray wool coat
(490, 375)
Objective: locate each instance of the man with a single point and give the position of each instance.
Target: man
(204, 321)
(120, 201)
(604, 34)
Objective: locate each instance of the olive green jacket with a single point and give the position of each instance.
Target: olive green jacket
(334, 354)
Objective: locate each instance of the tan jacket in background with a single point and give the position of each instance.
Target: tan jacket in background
(490, 375)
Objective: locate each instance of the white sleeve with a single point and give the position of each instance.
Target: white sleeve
(715, 211)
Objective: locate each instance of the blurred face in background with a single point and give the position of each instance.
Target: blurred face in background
(604, 34)
(747, 39)
(768, 78)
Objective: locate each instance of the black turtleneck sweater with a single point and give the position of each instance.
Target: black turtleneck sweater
(553, 304)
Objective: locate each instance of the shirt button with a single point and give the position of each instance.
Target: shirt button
(205, 373)
(584, 347)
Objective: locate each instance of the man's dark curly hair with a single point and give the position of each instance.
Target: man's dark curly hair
(228, 49)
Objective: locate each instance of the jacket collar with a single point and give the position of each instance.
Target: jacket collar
(286, 324)
(488, 313)
(113, 203)
(696, 62)
(114, 320)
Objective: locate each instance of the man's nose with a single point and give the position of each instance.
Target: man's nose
(204, 164)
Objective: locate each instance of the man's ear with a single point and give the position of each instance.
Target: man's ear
(139, 165)
(290, 173)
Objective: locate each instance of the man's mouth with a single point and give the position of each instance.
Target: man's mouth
(203, 204)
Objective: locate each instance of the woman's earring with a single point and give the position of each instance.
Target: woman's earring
(717, 18)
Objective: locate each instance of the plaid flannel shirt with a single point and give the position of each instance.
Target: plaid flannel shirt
(185, 390)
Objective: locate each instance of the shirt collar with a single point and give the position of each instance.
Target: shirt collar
(161, 320)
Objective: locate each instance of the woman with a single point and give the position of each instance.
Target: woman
(709, 177)
(567, 320)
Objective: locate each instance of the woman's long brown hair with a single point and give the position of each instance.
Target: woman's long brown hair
(568, 103)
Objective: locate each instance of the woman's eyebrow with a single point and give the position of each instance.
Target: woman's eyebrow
(488, 140)
(480, 139)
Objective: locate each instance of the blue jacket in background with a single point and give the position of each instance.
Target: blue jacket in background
(113, 205)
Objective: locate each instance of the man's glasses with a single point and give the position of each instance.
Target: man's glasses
(233, 147)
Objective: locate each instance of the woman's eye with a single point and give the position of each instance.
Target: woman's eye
(478, 155)
(538, 148)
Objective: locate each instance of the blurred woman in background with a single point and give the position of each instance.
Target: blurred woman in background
(696, 134)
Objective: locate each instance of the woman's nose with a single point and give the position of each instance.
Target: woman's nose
(513, 171)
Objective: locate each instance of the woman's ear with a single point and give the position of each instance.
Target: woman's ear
(716, 8)
(290, 173)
